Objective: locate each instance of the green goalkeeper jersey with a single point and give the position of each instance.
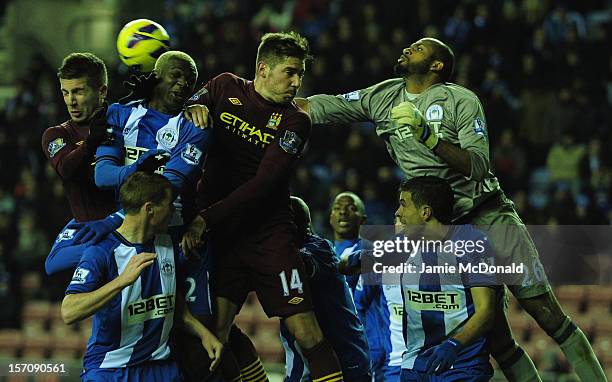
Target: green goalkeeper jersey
(453, 112)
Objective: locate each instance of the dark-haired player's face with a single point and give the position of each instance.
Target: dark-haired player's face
(283, 80)
(345, 217)
(176, 83)
(80, 98)
(415, 59)
(409, 215)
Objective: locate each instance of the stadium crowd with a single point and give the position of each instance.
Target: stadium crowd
(538, 67)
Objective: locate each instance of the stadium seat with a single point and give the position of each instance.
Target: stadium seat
(520, 322)
(30, 284)
(600, 293)
(57, 329)
(47, 378)
(17, 378)
(35, 346)
(67, 346)
(571, 293)
(10, 342)
(603, 329)
(36, 310)
(55, 310)
(573, 300)
(600, 302)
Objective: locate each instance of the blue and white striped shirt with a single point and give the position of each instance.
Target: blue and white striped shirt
(138, 129)
(438, 304)
(133, 327)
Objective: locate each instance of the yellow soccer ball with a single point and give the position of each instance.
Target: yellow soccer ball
(140, 42)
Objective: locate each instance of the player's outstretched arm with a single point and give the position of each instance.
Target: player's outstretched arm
(211, 344)
(303, 104)
(78, 306)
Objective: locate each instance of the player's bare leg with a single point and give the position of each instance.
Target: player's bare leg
(224, 319)
(549, 315)
(511, 358)
(322, 359)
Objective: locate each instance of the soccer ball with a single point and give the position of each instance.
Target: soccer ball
(140, 42)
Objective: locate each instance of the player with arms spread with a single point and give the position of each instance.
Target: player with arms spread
(259, 134)
(154, 127)
(128, 283)
(434, 127)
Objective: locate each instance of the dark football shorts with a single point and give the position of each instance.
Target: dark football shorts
(190, 355)
(267, 263)
(193, 275)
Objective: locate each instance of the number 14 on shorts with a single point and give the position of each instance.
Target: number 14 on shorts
(295, 282)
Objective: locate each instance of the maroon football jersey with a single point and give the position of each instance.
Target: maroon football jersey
(255, 146)
(66, 149)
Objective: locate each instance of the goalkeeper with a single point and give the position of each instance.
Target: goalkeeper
(433, 127)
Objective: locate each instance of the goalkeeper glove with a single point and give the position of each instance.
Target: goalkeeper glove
(151, 160)
(406, 113)
(97, 230)
(99, 130)
(140, 87)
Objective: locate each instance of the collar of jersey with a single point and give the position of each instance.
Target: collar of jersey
(145, 105)
(140, 247)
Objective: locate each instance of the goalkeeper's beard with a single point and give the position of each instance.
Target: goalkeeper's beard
(417, 68)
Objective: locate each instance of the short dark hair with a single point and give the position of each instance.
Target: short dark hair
(277, 46)
(88, 65)
(434, 192)
(445, 54)
(142, 187)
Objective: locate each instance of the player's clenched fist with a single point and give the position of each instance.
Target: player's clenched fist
(134, 267)
(199, 115)
(406, 113)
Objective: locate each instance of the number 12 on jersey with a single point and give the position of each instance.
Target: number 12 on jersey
(296, 283)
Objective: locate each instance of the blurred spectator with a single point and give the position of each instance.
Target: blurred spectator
(595, 166)
(274, 16)
(561, 23)
(457, 28)
(32, 244)
(509, 162)
(563, 163)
